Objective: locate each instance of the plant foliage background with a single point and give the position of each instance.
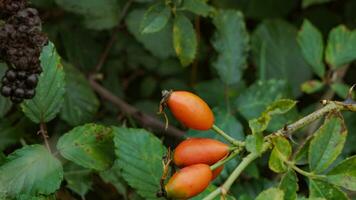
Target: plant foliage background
(238, 55)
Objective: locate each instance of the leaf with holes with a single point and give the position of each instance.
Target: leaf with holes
(89, 146)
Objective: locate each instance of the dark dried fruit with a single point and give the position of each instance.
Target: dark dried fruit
(21, 42)
(19, 93)
(6, 91)
(16, 100)
(31, 81)
(11, 75)
(29, 94)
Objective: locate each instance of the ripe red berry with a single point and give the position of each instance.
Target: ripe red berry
(189, 109)
(199, 150)
(189, 181)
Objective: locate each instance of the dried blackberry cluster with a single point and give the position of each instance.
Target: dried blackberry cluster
(21, 42)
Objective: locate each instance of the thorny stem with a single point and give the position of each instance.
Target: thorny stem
(329, 107)
(44, 133)
(227, 137)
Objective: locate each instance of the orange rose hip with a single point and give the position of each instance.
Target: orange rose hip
(189, 181)
(199, 150)
(189, 109)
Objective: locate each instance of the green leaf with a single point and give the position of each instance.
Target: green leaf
(341, 47)
(254, 143)
(250, 189)
(80, 101)
(184, 39)
(78, 179)
(155, 18)
(82, 49)
(89, 146)
(327, 143)
(226, 122)
(50, 89)
(198, 7)
(271, 194)
(36, 197)
(289, 185)
(301, 157)
(140, 159)
(281, 152)
(159, 43)
(30, 170)
(258, 125)
(280, 106)
(311, 198)
(253, 101)
(282, 59)
(344, 174)
(97, 15)
(341, 89)
(2, 158)
(232, 52)
(9, 133)
(310, 41)
(114, 176)
(312, 86)
(211, 91)
(307, 3)
(267, 9)
(325, 190)
(5, 103)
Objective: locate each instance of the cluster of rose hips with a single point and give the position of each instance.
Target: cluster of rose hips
(21, 42)
(194, 156)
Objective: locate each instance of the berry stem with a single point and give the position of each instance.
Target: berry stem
(227, 137)
(225, 160)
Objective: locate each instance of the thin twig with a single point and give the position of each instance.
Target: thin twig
(43, 131)
(144, 119)
(113, 38)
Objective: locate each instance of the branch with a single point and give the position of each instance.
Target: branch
(144, 119)
(329, 107)
(44, 133)
(113, 38)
